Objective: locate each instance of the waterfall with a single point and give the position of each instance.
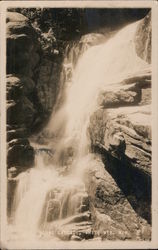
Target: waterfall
(50, 194)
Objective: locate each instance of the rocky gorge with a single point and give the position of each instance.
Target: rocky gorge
(118, 183)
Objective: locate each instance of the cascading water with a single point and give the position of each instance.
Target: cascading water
(55, 193)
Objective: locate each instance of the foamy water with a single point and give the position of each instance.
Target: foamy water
(99, 67)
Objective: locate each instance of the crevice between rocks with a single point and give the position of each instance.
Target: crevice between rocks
(135, 184)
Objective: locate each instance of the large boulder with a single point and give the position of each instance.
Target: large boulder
(113, 214)
(16, 17)
(122, 125)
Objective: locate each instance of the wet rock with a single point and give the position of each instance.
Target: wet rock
(76, 227)
(79, 218)
(53, 208)
(76, 238)
(85, 233)
(83, 208)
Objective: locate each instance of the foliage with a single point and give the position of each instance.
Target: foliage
(54, 25)
(57, 25)
(65, 23)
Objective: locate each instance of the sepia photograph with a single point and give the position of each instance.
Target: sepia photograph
(77, 158)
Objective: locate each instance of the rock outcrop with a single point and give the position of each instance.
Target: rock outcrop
(32, 85)
(22, 45)
(113, 216)
(22, 58)
(120, 131)
(143, 39)
(123, 128)
(48, 83)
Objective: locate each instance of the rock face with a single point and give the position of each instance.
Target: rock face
(22, 45)
(125, 133)
(32, 83)
(77, 225)
(143, 39)
(120, 131)
(22, 58)
(48, 83)
(113, 215)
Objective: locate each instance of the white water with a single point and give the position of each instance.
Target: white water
(99, 67)
(42, 189)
